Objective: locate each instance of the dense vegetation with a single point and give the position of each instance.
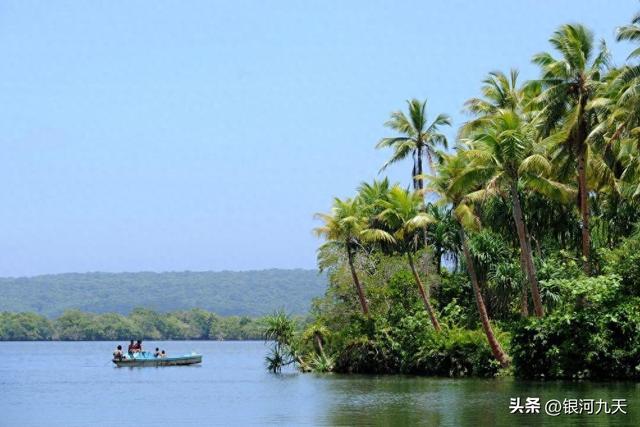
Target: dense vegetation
(228, 293)
(516, 250)
(74, 325)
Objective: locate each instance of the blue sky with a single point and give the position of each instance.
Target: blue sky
(200, 135)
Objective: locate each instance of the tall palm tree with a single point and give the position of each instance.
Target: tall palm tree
(452, 186)
(405, 220)
(504, 158)
(622, 97)
(499, 93)
(343, 230)
(418, 138)
(569, 83)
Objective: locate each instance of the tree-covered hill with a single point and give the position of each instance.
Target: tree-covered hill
(247, 293)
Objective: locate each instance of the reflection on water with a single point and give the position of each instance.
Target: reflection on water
(74, 384)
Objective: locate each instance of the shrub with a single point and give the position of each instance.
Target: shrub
(455, 353)
(625, 262)
(366, 356)
(597, 336)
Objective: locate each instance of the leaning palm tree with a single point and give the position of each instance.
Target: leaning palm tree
(499, 93)
(504, 159)
(569, 83)
(342, 230)
(404, 219)
(418, 138)
(452, 185)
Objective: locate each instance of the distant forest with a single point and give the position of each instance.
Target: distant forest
(74, 325)
(226, 293)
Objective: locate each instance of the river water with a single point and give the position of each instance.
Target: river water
(64, 384)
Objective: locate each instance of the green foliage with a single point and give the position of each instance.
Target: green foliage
(279, 330)
(456, 353)
(625, 262)
(596, 335)
(74, 325)
(228, 293)
(456, 300)
(24, 327)
(367, 356)
(412, 346)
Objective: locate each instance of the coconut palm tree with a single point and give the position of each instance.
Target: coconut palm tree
(442, 234)
(504, 159)
(499, 92)
(343, 230)
(451, 185)
(418, 138)
(621, 96)
(569, 83)
(631, 32)
(402, 214)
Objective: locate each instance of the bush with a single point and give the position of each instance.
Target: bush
(593, 337)
(367, 356)
(625, 262)
(412, 346)
(455, 353)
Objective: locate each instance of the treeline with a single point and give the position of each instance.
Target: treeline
(227, 293)
(536, 210)
(74, 325)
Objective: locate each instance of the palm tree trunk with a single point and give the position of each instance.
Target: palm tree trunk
(584, 208)
(424, 294)
(356, 283)
(419, 171)
(496, 348)
(525, 251)
(524, 298)
(583, 191)
(319, 344)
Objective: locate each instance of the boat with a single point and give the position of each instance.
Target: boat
(148, 359)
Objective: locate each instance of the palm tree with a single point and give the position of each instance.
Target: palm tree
(450, 183)
(405, 220)
(370, 195)
(343, 229)
(442, 234)
(631, 32)
(622, 97)
(499, 92)
(504, 158)
(418, 138)
(568, 84)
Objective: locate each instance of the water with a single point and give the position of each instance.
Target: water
(54, 384)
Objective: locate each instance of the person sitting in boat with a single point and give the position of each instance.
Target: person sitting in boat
(118, 354)
(139, 346)
(132, 348)
(163, 354)
(157, 353)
